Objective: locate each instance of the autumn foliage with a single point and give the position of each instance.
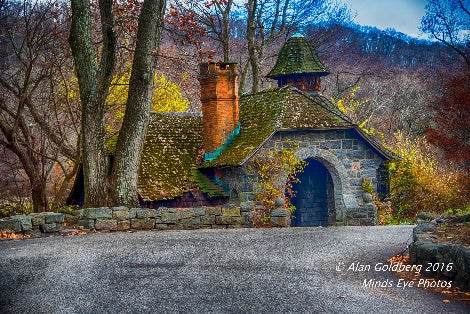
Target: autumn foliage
(418, 183)
(451, 120)
(276, 173)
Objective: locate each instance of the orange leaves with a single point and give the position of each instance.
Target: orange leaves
(188, 26)
(8, 235)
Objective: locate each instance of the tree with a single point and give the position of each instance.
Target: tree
(94, 82)
(32, 123)
(270, 20)
(213, 17)
(451, 120)
(448, 21)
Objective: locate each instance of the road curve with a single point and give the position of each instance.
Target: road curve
(295, 270)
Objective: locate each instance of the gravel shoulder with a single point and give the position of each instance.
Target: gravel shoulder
(211, 271)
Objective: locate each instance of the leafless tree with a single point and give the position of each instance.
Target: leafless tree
(448, 21)
(31, 123)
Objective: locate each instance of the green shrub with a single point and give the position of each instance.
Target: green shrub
(11, 209)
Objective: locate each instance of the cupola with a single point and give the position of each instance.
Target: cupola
(298, 65)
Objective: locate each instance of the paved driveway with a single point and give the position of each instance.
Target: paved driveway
(216, 271)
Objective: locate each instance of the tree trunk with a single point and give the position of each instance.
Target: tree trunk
(226, 31)
(131, 136)
(251, 37)
(38, 195)
(94, 84)
(241, 85)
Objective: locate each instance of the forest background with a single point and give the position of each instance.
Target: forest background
(413, 95)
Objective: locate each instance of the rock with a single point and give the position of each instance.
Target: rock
(87, 223)
(438, 221)
(367, 197)
(229, 220)
(121, 214)
(70, 218)
(280, 221)
(25, 222)
(280, 212)
(10, 225)
(192, 223)
(133, 212)
(106, 224)
(120, 208)
(35, 233)
(168, 217)
(422, 228)
(154, 213)
(38, 219)
(142, 213)
(231, 212)
(200, 211)
(184, 213)
(213, 211)
(161, 226)
(94, 213)
(51, 227)
(123, 225)
(54, 217)
(208, 220)
(142, 223)
(246, 206)
(279, 202)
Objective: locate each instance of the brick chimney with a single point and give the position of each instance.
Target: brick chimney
(219, 97)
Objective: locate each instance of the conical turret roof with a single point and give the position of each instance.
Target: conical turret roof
(297, 56)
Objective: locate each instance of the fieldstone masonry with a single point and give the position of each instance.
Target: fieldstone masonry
(123, 218)
(346, 156)
(44, 222)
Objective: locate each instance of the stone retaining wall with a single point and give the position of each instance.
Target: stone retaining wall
(424, 251)
(44, 222)
(123, 218)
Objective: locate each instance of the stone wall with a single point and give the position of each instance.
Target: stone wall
(347, 157)
(425, 251)
(123, 218)
(41, 222)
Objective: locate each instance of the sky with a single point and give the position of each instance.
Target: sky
(402, 15)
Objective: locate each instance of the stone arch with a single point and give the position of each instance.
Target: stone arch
(337, 171)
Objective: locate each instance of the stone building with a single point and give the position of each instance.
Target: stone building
(192, 160)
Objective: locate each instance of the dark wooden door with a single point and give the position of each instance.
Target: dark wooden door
(311, 198)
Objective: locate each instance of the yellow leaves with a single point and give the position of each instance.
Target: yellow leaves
(166, 95)
(418, 183)
(349, 104)
(276, 173)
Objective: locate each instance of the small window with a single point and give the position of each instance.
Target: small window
(383, 182)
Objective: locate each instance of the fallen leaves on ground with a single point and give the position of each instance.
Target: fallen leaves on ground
(10, 235)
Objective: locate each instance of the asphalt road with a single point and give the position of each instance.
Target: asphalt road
(211, 271)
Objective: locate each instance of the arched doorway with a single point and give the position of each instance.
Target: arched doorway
(314, 200)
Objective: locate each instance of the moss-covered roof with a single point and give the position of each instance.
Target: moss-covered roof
(262, 114)
(169, 155)
(297, 56)
(168, 161)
